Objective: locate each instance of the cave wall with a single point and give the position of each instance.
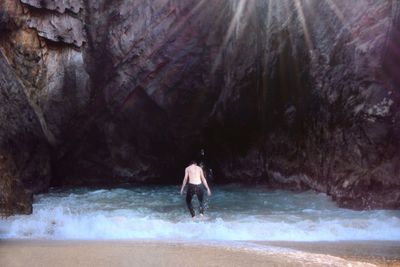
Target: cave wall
(153, 92)
(296, 94)
(316, 98)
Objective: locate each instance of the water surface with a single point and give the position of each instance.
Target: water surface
(233, 213)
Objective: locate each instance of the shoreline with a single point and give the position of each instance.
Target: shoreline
(380, 253)
(40, 252)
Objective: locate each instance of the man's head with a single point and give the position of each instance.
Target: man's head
(193, 162)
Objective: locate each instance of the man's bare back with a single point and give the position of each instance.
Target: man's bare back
(195, 175)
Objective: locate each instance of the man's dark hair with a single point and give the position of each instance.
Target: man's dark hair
(193, 162)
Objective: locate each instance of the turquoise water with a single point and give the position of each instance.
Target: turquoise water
(232, 213)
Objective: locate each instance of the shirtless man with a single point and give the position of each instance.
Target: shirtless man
(196, 178)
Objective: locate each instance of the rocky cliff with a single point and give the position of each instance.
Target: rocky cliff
(298, 94)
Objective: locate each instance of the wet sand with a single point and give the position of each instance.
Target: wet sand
(380, 253)
(142, 253)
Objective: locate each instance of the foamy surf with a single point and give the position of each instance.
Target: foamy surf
(234, 213)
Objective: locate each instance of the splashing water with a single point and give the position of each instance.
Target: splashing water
(233, 213)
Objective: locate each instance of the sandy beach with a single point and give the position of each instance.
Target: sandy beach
(135, 253)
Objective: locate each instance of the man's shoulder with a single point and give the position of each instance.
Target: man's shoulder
(188, 168)
(195, 167)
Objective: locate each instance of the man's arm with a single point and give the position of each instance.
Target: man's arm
(184, 181)
(204, 181)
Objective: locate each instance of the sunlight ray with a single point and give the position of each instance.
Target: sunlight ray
(302, 19)
(233, 26)
(292, 41)
(178, 28)
(271, 6)
(337, 11)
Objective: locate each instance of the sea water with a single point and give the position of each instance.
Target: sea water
(233, 213)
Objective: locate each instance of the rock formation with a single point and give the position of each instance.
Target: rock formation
(299, 94)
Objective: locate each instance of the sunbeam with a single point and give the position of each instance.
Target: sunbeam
(265, 60)
(178, 29)
(302, 20)
(233, 26)
(337, 11)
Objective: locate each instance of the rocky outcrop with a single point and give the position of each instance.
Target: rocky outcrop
(44, 85)
(24, 153)
(296, 94)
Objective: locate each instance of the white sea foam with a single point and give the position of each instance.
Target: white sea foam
(234, 213)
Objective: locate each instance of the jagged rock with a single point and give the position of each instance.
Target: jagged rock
(59, 5)
(61, 28)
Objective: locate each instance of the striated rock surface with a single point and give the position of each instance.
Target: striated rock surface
(24, 153)
(44, 84)
(296, 94)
